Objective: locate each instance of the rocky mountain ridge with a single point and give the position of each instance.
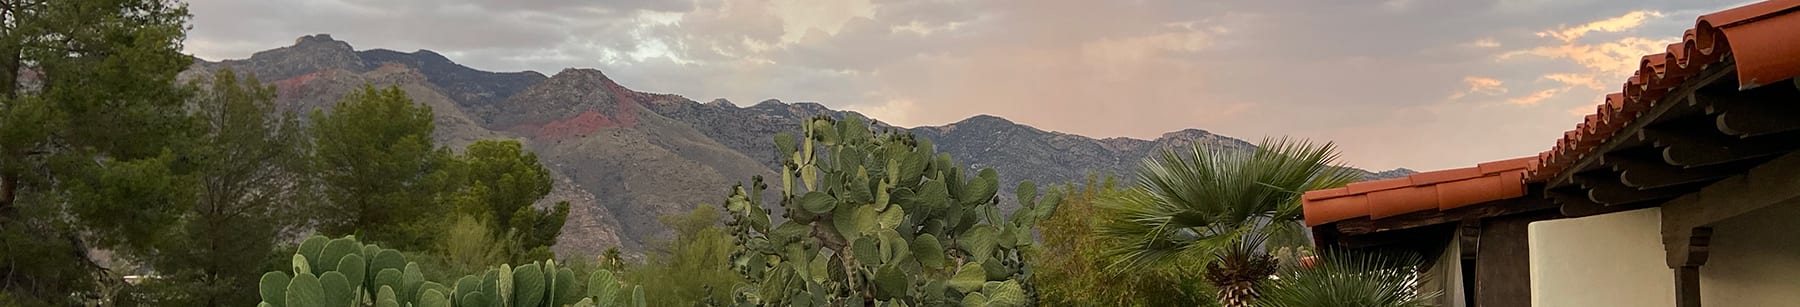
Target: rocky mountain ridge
(624, 157)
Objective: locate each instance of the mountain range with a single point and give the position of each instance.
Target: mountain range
(622, 158)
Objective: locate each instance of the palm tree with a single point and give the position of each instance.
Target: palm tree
(1220, 207)
(1346, 279)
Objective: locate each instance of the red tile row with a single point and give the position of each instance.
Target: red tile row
(1435, 190)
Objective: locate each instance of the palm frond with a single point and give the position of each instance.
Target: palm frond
(1367, 279)
(1205, 200)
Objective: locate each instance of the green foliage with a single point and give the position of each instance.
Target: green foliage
(243, 162)
(89, 113)
(693, 269)
(1219, 207)
(1343, 279)
(467, 247)
(857, 205)
(1071, 264)
(500, 181)
(368, 275)
(379, 171)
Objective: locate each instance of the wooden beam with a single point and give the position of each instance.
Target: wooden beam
(1522, 204)
(1760, 111)
(1641, 172)
(1695, 148)
(1686, 255)
(1469, 240)
(1753, 118)
(1604, 187)
(1687, 246)
(1687, 287)
(1773, 182)
(1575, 204)
(1413, 238)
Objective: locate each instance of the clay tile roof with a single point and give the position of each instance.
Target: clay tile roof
(1434, 190)
(1762, 38)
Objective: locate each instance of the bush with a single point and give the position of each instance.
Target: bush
(345, 272)
(1072, 263)
(880, 219)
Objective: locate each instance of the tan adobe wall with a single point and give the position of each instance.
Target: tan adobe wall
(1613, 259)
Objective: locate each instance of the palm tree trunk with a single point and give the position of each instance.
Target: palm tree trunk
(1238, 274)
(1237, 294)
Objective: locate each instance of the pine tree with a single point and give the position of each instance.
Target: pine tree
(499, 183)
(246, 166)
(88, 108)
(381, 175)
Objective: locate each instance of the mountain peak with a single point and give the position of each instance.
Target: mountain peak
(432, 55)
(582, 76)
(721, 102)
(321, 40)
(770, 103)
(1189, 133)
(311, 53)
(985, 118)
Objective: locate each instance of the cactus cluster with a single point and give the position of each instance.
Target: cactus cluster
(343, 272)
(880, 220)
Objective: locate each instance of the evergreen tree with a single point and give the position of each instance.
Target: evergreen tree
(500, 182)
(88, 107)
(379, 172)
(246, 166)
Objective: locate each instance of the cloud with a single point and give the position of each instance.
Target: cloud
(1369, 75)
(1480, 85)
(1616, 24)
(1582, 80)
(1620, 55)
(1535, 97)
(1487, 42)
(1596, 60)
(894, 112)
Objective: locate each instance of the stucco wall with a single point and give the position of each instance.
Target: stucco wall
(1605, 260)
(1755, 260)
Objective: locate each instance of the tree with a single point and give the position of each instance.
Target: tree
(246, 162)
(880, 219)
(1071, 264)
(1351, 279)
(88, 106)
(1220, 206)
(499, 183)
(694, 269)
(379, 171)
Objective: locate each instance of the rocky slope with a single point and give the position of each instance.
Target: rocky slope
(624, 157)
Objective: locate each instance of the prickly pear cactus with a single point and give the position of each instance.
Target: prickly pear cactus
(881, 220)
(343, 272)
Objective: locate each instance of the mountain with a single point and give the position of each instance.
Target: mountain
(624, 157)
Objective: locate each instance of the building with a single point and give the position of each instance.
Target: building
(1680, 190)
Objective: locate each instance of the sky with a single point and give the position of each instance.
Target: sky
(1393, 83)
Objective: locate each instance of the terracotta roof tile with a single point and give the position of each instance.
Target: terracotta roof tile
(1434, 190)
(1761, 38)
(1506, 165)
(1445, 175)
